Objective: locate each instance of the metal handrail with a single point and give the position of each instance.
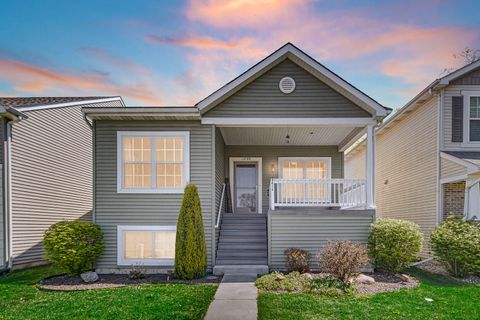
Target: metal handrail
(219, 216)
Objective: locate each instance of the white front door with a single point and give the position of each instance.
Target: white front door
(246, 184)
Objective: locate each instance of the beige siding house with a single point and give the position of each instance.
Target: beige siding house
(266, 154)
(48, 171)
(428, 154)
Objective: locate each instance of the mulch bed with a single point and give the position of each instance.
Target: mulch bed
(386, 283)
(73, 283)
(434, 266)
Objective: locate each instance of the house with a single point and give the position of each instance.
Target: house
(428, 154)
(46, 171)
(266, 153)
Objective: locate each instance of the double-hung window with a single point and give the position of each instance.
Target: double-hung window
(474, 118)
(152, 162)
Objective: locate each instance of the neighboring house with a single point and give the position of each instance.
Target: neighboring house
(266, 153)
(428, 154)
(46, 170)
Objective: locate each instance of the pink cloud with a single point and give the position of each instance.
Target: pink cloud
(29, 78)
(199, 42)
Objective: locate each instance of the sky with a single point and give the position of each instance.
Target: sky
(176, 53)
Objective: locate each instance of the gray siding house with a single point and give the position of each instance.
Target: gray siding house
(428, 154)
(266, 153)
(46, 170)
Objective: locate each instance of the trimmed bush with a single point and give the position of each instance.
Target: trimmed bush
(342, 259)
(393, 244)
(297, 260)
(457, 245)
(276, 281)
(73, 245)
(190, 246)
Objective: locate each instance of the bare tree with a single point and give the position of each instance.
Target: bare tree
(468, 55)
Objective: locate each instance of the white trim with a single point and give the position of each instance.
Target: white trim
(289, 122)
(460, 72)
(68, 104)
(326, 159)
(471, 168)
(283, 52)
(370, 166)
(186, 160)
(454, 179)
(439, 192)
(466, 117)
(258, 160)
(121, 261)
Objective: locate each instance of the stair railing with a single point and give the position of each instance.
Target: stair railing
(219, 214)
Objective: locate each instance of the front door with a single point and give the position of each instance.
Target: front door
(245, 187)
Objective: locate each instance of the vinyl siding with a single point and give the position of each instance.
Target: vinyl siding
(51, 175)
(451, 169)
(270, 155)
(219, 174)
(355, 164)
(3, 230)
(112, 208)
(312, 231)
(406, 169)
(450, 91)
(263, 98)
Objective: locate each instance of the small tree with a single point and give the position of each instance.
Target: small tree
(190, 246)
(73, 245)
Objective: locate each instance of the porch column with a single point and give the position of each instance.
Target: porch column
(370, 166)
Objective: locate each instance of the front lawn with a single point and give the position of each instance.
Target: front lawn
(451, 300)
(20, 299)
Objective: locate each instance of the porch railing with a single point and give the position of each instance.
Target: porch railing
(344, 193)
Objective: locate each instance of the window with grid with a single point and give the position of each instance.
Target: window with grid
(474, 118)
(304, 168)
(153, 161)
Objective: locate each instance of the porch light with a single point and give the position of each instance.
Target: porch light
(272, 167)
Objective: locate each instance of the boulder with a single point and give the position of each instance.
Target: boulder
(404, 277)
(279, 277)
(364, 279)
(89, 276)
(307, 275)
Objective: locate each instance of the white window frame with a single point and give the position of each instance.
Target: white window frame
(466, 116)
(304, 159)
(185, 135)
(122, 261)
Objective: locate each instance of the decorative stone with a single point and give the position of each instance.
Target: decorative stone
(307, 275)
(279, 277)
(364, 279)
(211, 278)
(404, 277)
(89, 276)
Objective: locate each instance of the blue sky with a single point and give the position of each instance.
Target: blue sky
(176, 53)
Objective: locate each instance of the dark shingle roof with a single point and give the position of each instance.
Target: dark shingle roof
(36, 101)
(470, 156)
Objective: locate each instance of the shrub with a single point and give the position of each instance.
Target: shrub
(297, 260)
(393, 244)
(457, 245)
(137, 272)
(73, 245)
(190, 246)
(329, 286)
(276, 281)
(342, 259)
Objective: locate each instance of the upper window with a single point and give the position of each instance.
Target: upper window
(152, 161)
(474, 118)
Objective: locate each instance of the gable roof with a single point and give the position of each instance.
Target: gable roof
(308, 63)
(34, 103)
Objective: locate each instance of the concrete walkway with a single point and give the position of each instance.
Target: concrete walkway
(236, 298)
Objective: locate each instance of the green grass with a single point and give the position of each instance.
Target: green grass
(21, 299)
(451, 300)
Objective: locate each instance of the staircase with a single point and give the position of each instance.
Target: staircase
(242, 244)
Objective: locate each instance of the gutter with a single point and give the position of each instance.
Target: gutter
(13, 116)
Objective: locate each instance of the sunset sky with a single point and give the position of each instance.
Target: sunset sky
(176, 53)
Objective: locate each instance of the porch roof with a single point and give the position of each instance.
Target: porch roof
(142, 113)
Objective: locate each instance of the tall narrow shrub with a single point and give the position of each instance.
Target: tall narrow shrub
(190, 246)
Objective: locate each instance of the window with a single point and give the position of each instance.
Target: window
(146, 245)
(152, 161)
(304, 168)
(474, 118)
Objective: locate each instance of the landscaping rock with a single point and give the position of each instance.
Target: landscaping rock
(89, 276)
(404, 277)
(307, 275)
(279, 277)
(363, 279)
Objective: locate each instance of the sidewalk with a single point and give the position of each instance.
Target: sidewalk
(236, 298)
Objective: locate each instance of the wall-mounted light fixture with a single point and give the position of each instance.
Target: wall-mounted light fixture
(272, 167)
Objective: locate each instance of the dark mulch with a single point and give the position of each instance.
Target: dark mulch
(72, 283)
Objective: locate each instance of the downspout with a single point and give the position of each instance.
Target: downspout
(468, 187)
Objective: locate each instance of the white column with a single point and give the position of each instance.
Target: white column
(370, 166)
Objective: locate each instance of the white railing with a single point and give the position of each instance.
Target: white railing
(344, 193)
(220, 207)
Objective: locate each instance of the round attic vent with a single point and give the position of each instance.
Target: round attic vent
(286, 85)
